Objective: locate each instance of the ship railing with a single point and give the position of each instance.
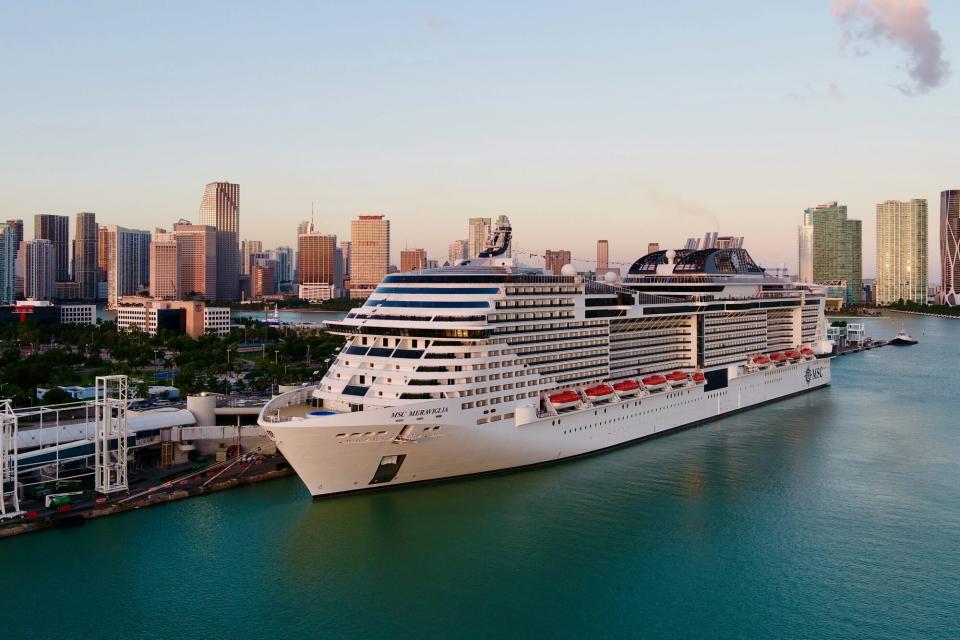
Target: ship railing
(272, 410)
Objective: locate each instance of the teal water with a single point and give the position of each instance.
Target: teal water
(831, 515)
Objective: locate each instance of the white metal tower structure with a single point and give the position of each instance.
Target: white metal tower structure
(9, 498)
(111, 426)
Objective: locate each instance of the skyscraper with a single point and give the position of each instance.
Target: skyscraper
(85, 255)
(902, 251)
(950, 246)
(128, 262)
(370, 253)
(56, 229)
(345, 248)
(830, 248)
(103, 253)
(262, 279)
(317, 258)
(556, 259)
(196, 260)
(284, 258)
(413, 260)
(16, 227)
(163, 266)
(479, 229)
(220, 208)
(603, 256)
(8, 263)
(248, 247)
(458, 250)
(39, 265)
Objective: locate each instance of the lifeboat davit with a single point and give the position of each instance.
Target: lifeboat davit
(778, 358)
(655, 382)
(599, 392)
(699, 378)
(564, 399)
(627, 387)
(678, 378)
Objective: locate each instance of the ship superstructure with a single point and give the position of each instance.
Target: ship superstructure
(490, 365)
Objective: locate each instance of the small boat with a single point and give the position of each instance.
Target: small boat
(778, 358)
(699, 378)
(903, 339)
(655, 382)
(808, 353)
(599, 392)
(678, 378)
(564, 399)
(627, 387)
(793, 355)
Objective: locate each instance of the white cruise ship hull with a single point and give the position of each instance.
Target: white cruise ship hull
(435, 439)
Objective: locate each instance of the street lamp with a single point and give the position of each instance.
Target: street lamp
(276, 357)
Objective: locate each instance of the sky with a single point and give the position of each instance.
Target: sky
(633, 121)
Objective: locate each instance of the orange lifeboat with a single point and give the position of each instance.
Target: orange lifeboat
(808, 353)
(627, 387)
(778, 358)
(762, 362)
(599, 392)
(677, 378)
(699, 378)
(655, 382)
(793, 355)
(564, 399)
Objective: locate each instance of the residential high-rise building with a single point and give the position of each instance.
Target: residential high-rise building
(556, 259)
(103, 254)
(163, 266)
(284, 258)
(128, 262)
(8, 263)
(317, 258)
(248, 247)
(56, 229)
(85, 255)
(830, 248)
(16, 227)
(950, 246)
(603, 256)
(345, 255)
(653, 247)
(370, 253)
(196, 260)
(413, 260)
(458, 250)
(902, 251)
(38, 259)
(220, 208)
(479, 231)
(262, 279)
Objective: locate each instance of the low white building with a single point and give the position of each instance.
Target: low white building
(317, 291)
(78, 314)
(216, 320)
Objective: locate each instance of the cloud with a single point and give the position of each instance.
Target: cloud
(434, 24)
(902, 23)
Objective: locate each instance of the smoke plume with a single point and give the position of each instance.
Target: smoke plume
(903, 23)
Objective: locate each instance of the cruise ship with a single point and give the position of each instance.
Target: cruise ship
(491, 365)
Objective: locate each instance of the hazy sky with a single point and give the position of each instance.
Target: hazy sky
(632, 121)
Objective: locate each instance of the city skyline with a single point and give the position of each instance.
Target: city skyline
(627, 127)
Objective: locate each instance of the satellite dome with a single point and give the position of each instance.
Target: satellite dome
(568, 270)
(610, 277)
(671, 254)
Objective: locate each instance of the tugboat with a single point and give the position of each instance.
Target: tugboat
(903, 339)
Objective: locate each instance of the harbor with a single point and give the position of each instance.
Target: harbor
(818, 517)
